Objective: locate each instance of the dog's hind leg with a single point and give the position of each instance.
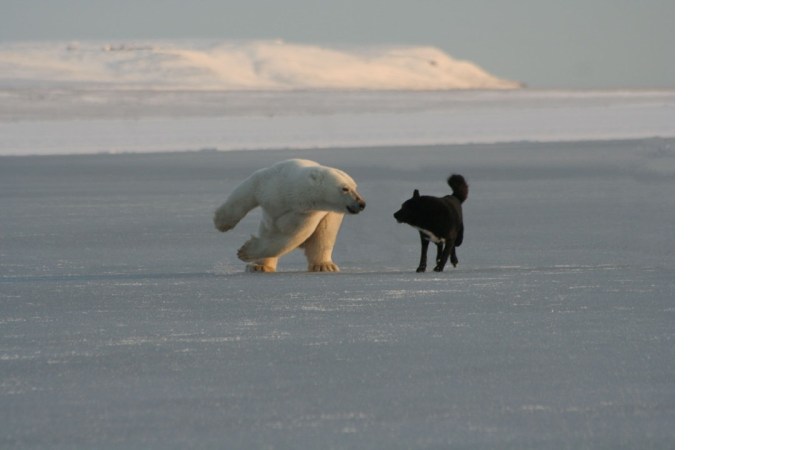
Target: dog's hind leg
(454, 258)
(449, 245)
(423, 256)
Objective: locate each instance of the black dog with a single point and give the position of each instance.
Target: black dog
(438, 220)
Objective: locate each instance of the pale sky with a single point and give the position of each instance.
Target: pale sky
(544, 43)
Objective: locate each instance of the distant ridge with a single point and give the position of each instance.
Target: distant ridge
(230, 65)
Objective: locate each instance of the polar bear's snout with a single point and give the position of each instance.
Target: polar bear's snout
(357, 205)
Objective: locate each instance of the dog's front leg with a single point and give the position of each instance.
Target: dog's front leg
(449, 245)
(423, 256)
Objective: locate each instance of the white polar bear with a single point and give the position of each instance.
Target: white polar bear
(303, 205)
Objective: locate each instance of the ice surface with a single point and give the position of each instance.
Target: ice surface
(127, 321)
(273, 65)
(49, 120)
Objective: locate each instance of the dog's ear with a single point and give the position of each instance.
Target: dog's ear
(416, 193)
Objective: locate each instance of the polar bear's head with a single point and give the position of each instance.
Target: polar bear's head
(337, 190)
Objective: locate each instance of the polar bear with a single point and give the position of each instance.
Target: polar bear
(303, 206)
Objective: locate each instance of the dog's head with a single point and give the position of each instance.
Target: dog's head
(408, 212)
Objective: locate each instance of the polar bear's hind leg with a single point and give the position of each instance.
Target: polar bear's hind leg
(275, 240)
(258, 248)
(264, 265)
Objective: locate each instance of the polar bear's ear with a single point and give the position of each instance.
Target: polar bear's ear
(416, 193)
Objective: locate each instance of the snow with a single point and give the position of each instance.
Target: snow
(225, 65)
(128, 322)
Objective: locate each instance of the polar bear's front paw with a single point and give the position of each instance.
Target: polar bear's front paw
(223, 223)
(327, 266)
(250, 250)
(223, 227)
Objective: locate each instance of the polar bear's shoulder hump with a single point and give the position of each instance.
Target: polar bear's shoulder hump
(287, 169)
(292, 168)
(297, 162)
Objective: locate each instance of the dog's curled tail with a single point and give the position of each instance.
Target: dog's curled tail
(459, 186)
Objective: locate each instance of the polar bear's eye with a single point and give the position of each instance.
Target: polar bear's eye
(345, 189)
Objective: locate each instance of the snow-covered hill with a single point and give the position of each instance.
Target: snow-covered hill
(272, 65)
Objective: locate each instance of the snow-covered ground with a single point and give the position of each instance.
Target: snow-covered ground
(126, 320)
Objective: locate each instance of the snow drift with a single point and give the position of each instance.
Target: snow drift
(272, 65)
